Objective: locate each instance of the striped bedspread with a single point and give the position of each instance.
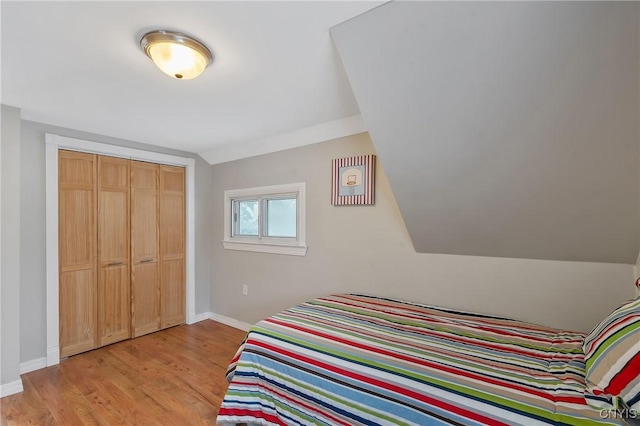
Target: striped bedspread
(362, 360)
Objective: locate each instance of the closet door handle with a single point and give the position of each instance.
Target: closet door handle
(147, 260)
(114, 263)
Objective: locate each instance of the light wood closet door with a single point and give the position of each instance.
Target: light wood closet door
(77, 250)
(145, 279)
(172, 237)
(114, 296)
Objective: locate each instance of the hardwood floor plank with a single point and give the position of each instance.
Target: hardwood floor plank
(179, 404)
(31, 411)
(172, 377)
(51, 391)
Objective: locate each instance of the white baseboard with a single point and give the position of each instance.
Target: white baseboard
(33, 365)
(53, 356)
(245, 326)
(201, 317)
(11, 388)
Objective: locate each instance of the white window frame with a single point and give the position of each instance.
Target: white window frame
(289, 246)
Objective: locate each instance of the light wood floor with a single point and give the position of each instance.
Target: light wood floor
(172, 377)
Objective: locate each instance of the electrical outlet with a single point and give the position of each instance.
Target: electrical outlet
(245, 289)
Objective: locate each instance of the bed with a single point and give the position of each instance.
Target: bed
(363, 360)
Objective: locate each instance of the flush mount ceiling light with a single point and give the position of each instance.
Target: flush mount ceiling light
(176, 54)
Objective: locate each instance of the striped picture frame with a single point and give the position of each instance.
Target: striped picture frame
(353, 180)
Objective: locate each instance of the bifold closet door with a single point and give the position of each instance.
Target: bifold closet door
(121, 249)
(172, 237)
(77, 252)
(114, 297)
(145, 277)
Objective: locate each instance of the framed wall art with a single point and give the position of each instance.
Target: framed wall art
(353, 180)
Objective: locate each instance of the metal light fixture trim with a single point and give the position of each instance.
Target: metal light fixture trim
(176, 54)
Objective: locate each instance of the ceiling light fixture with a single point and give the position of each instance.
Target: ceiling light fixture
(176, 54)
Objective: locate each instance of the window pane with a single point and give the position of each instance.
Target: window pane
(281, 218)
(247, 219)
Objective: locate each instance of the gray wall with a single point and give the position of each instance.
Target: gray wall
(367, 249)
(506, 128)
(10, 250)
(204, 228)
(32, 230)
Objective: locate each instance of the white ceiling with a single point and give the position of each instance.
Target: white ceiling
(276, 71)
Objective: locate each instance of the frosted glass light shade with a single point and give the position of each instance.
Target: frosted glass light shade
(176, 54)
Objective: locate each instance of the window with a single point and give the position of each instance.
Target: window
(266, 219)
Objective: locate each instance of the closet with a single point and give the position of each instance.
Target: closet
(121, 249)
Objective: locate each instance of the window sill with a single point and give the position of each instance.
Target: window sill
(266, 248)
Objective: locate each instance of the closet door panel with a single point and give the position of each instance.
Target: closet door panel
(172, 179)
(76, 168)
(144, 225)
(146, 296)
(114, 306)
(145, 279)
(144, 175)
(77, 239)
(77, 252)
(78, 304)
(113, 225)
(172, 216)
(114, 301)
(172, 237)
(173, 294)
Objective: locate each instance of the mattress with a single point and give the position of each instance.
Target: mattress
(363, 360)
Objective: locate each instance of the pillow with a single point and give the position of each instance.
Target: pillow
(612, 358)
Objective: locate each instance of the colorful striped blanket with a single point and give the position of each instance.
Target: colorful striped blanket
(362, 360)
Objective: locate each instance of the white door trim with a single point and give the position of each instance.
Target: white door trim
(53, 144)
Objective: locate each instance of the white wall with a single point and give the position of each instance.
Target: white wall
(367, 249)
(10, 252)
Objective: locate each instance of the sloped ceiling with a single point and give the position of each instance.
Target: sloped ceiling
(506, 129)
